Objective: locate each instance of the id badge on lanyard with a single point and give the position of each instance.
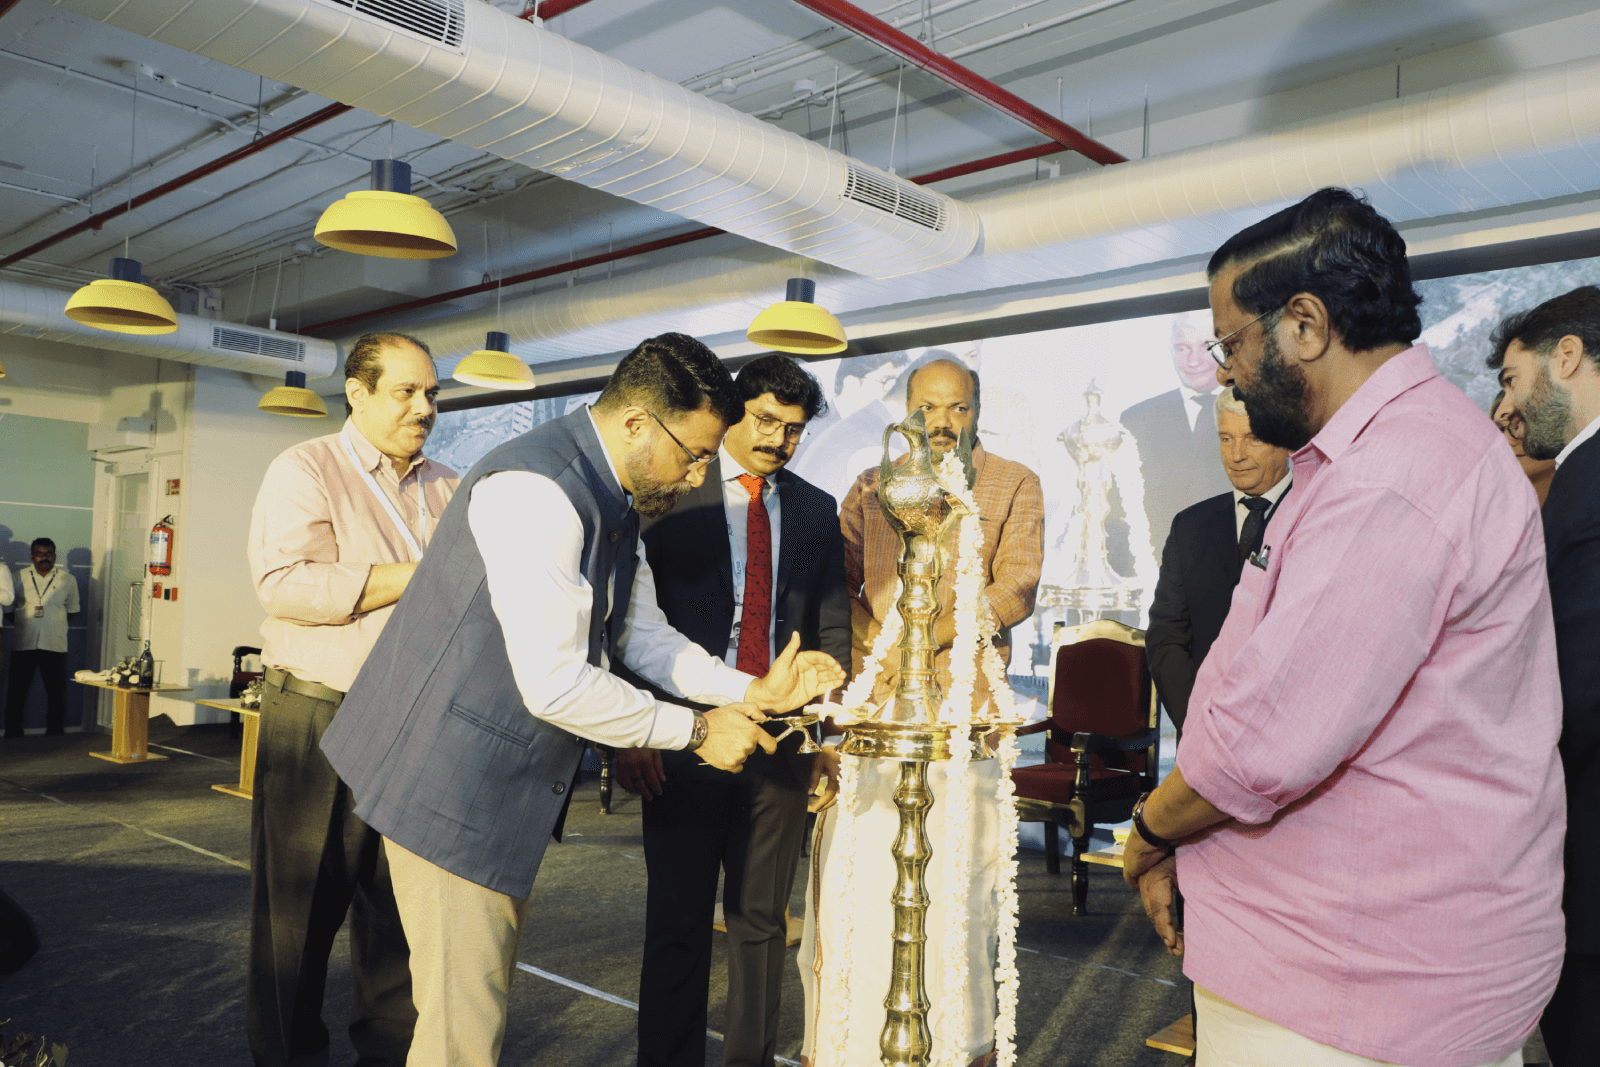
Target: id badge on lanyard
(388, 505)
(38, 607)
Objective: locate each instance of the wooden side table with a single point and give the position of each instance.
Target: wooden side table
(247, 750)
(130, 723)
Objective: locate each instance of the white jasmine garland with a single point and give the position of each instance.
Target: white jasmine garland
(858, 694)
(836, 976)
(1005, 1023)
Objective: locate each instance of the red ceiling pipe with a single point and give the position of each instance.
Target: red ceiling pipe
(977, 166)
(974, 167)
(94, 222)
(920, 55)
(517, 279)
(549, 9)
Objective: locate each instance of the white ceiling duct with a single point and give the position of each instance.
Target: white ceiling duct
(482, 77)
(33, 311)
(1495, 143)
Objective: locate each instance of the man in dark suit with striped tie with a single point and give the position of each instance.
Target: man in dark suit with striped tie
(1205, 552)
(749, 560)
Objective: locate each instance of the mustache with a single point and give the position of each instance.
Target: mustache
(770, 451)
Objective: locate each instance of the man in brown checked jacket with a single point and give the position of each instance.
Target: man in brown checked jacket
(1012, 506)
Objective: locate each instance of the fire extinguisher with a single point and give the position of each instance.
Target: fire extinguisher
(161, 547)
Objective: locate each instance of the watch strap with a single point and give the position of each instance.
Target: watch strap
(697, 735)
(1152, 839)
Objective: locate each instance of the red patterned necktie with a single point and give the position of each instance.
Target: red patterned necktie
(755, 648)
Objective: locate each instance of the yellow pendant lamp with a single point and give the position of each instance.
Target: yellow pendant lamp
(122, 303)
(387, 220)
(798, 325)
(293, 398)
(492, 367)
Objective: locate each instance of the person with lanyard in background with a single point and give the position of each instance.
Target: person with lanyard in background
(340, 524)
(49, 595)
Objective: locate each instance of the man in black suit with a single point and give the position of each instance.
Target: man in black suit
(712, 558)
(1204, 553)
(1175, 431)
(1549, 360)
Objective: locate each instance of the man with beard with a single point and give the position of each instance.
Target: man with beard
(462, 735)
(1367, 798)
(338, 527)
(748, 559)
(1549, 360)
(1011, 505)
(49, 595)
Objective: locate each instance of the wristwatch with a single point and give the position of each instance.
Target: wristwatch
(697, 736)
(1145, 832)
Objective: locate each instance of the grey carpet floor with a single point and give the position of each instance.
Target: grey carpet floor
(135, 876)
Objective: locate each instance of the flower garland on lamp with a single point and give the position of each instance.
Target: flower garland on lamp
(843, 856)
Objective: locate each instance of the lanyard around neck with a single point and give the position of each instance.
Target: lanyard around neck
(33, 576)
(388, 505)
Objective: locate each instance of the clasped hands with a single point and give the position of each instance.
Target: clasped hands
(794, 680)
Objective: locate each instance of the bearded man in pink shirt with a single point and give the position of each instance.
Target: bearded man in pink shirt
(1368, 807)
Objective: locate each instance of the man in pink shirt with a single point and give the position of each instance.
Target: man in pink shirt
(1368, 799)
(339, 526)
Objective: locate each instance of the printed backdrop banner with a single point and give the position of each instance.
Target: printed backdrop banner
(1116, 418)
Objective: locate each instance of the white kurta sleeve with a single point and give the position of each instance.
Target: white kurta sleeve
(531, 541)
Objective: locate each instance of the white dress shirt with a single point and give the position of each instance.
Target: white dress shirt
(1274, 494)
(7, 593)
(1194, 400)
(736, 501)
(41, 616)
(1583, 435)
(531, 541)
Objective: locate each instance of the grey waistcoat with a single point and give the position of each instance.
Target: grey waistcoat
(434, 740)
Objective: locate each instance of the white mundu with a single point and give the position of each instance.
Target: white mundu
(871, 922)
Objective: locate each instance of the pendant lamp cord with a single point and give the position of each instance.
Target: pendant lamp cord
(133, 163)
(894, 131)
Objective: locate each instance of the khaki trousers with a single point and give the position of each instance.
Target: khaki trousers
(463, 941)
(1229, 1036)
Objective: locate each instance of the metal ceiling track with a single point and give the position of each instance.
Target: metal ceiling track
(968, 81)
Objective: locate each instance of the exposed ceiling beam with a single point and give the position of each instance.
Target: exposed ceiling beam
(949, 71)
(94, 222)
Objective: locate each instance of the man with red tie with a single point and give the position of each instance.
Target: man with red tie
(748, 562)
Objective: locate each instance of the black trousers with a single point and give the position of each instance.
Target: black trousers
(1571, 1021)
(707, 821)
(52, 667)
(313, 860)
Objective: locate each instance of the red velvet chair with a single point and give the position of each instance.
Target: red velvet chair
(1103, 742)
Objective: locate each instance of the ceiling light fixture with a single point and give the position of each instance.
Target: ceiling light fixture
(387, 220)
(293, 398)
(492, 367)
(122, 303)
(798, 325)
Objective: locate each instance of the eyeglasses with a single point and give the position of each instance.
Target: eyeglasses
(1222, 349)
(767, 425)
(695, 462)
(1514, 426)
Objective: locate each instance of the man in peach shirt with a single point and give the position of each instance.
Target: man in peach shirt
(339, 526)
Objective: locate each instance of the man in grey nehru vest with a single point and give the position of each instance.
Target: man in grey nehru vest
(463, 731)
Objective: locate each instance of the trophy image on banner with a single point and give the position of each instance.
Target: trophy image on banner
(930, 504)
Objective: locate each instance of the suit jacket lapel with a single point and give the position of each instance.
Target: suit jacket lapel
(709, 502)
(788, 535)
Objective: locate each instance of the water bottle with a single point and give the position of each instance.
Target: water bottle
(147, 668)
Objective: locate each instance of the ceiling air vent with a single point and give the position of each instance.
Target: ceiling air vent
(257, 344)
(895, 197)
(437, 20)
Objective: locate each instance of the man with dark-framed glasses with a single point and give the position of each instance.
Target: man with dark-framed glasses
(750, 560)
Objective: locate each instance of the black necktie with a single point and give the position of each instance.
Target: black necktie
(1255, 526)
